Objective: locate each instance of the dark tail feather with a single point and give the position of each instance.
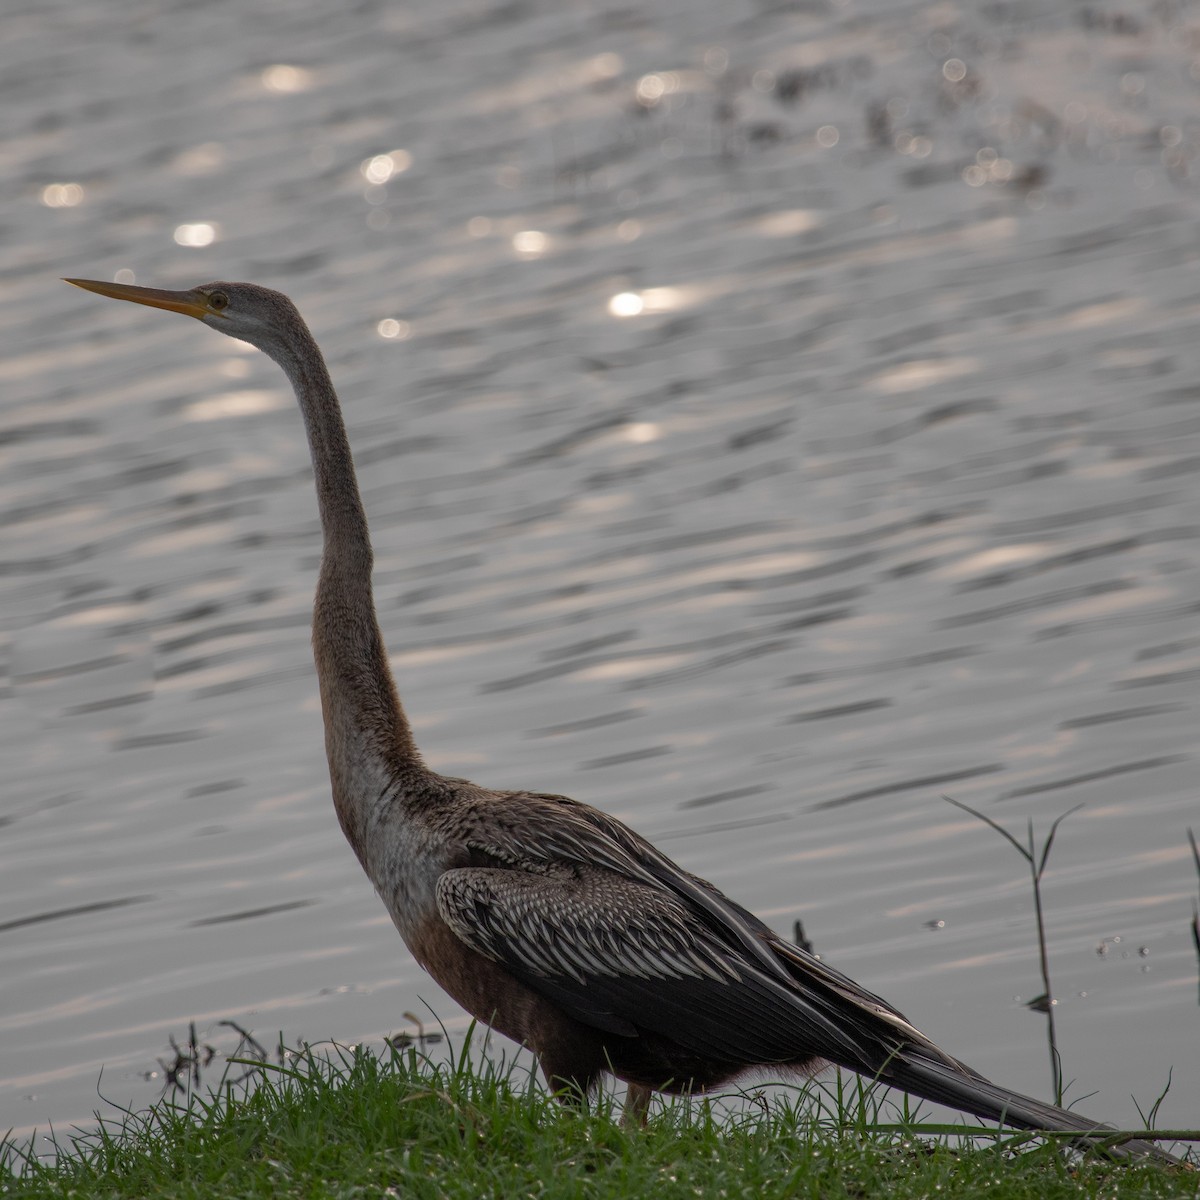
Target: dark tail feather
(973, 1093)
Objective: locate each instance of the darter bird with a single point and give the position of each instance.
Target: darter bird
(547, 919)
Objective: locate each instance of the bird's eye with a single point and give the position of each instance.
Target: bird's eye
(218, 301)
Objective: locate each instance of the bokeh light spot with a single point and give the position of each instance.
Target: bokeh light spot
(788, 223)
(284, 79)
(199, 234)
(393, 329)
(530, 243)
(626, 304)
(650, 90)
(381, 167)
(641, 432)
(62, 195)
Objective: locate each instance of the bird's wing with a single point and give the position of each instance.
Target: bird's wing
(782, 959)
(630, 958)
(583, 910)
(845, 1021)
(559, 830)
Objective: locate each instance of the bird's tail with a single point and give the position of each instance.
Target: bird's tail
(960, 1087)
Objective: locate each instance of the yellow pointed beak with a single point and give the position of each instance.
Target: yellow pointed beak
(192, 304)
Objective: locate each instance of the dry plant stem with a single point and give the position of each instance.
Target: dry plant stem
(1195, 906)
(1037, 866)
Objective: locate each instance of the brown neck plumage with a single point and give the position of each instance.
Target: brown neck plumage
(366, 728)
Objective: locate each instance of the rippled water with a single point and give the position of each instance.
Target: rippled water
(884, 487)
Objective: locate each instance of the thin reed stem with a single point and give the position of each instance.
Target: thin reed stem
(1037, 867)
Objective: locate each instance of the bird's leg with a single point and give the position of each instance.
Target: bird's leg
(637, 1105)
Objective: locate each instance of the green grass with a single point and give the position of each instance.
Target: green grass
(351, 1123)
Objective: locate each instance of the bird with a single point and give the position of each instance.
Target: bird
(549, 920)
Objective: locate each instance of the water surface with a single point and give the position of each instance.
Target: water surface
(770, 421)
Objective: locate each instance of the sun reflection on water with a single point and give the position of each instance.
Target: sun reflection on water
(283, 79)
(196, 235)
(62, 195)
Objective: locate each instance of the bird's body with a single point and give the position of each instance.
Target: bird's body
(545, 918)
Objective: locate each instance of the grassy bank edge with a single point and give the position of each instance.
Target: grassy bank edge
(341, 1122)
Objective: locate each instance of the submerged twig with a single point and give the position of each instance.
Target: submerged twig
(182, 1073)
(401, 1041)
(248, 1040)
(1037, 866)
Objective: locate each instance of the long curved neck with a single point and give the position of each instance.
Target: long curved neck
(367, 736)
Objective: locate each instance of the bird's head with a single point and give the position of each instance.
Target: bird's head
(242, 310)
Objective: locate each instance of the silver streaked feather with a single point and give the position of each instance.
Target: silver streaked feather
(541, 833)
(578, 922)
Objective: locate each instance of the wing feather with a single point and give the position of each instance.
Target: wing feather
(630, 958)
(593, 917)
(593, 832)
